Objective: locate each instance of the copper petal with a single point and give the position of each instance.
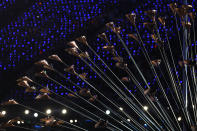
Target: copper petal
(108, 47)
(131, 17)
(10, 102)
(73, 44)
(23, 83)
(85, 92)
(42, 63)
(187, 25)
(82, 39)
(187, 7)
(192, 16)
(44, 96)
(101, 124)
(151, 14)
(162, 20)
(71, 95)
(172, 7)
(93, 98)
(84, 55)
(70, 69)
(30, 89)
(194, 128)
(149, 26)
(72, 51)
(181, 12)
(125, 79)
(83, 75)
(117, 58)
(133, 36)
(24, 78)
(111, 26)
(121, 65)
(42, 74)
(45, 90)
(156, 62)
(104, 37)
(55, 57)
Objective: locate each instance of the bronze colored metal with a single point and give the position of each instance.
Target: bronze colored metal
(30, 89)
(84, 55)
(49, 121)
(85, 92)
(187, 7)
(6, 125)
(161, 43)
(104, 37)
(44, 64)
(82, 39)
(23, 83)
(151, 92)
(42, 74)
(156, 62)
(173, 7)
(192, 16)
(55, 57)
(182, 12)
(134, 37)
(24, 78)
(72, 51)
(93, 98)
(101, 124)
(187, 25)
(83, 76)
(58, 123)
(70, 69)
(162, 20)
(45, 90)
(151, 14)
(194, 128)
(10, 102)
(121, 65)
(71, 95)
(149, 26)
(117, 58)
(125, 79)
(131, 17)
(108, 47)
(187, 62)
(73, 44)
(113, 28)
(44, 96)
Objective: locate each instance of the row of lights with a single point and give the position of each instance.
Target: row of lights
(48, 111)
(64, 111)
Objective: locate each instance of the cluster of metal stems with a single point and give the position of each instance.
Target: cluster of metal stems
(154, 122)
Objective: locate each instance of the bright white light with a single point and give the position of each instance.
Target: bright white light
(107, 112)
(75, 121)
(145, 108)
(22, 122)
(26, 112)
(64, 111)
(48, 111)
(121, 108)
(35, 114)
(179, 118)
(71, 121)
(128, 120)
(193, 106)
(18, 122)
(3, 112)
